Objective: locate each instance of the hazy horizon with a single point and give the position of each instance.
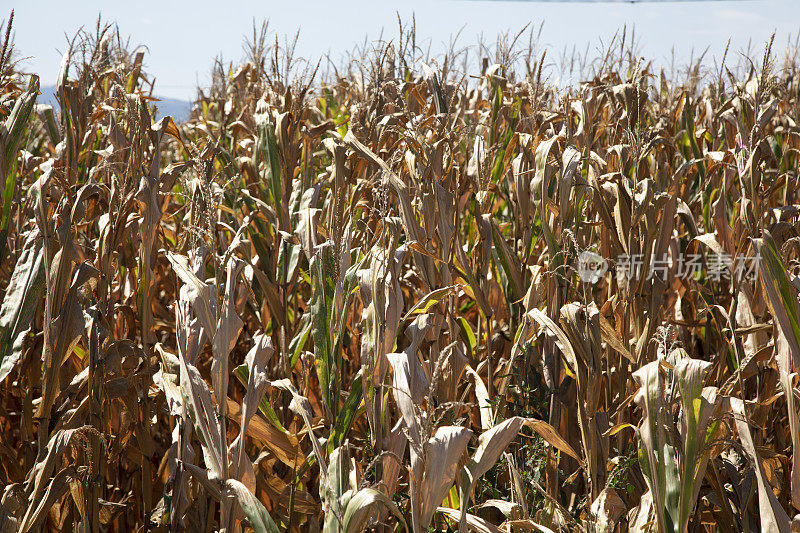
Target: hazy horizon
(179, 60)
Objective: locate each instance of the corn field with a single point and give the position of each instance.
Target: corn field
(401, 293)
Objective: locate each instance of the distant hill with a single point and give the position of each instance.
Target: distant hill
(179, 109)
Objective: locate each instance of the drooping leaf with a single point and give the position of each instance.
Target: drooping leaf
(20, 302)
(256, 513)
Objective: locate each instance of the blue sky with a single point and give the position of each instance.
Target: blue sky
(182, 37)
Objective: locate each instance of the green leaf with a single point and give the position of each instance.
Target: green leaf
(359, 510)
(346, 415)
(243, 375)
(348, 286)
(695, 411)
(49, 119)
(10, 137)
(509, 262)
(324, 285)
(17, 120)
(20, 302)
(781, 299)
(299, 341)
(268, 151)
(467, 335)
(428, 301)
(256, 513)
(8, 196)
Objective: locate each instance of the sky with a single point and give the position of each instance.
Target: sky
(183, 37)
